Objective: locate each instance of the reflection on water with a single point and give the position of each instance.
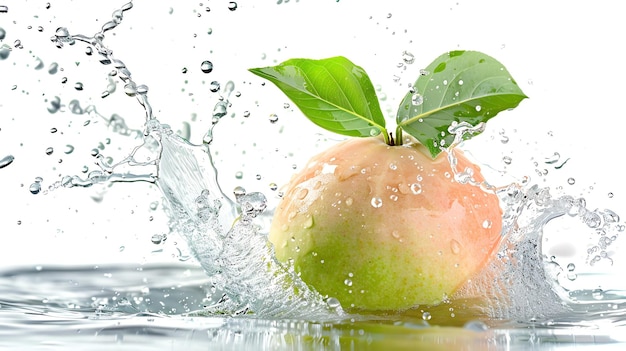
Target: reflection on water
(234, 294)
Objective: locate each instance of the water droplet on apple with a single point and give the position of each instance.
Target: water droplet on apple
(486, 224)
(291, 215)
(333, 303)
(455, 246)
(395, 234)
(349, 201)
(302, 193)
(308, 223)
(377, 202)
(416, 188)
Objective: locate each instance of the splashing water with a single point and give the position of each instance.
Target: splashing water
(229, 237)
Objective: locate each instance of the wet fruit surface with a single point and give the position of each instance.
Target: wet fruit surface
(384, 227)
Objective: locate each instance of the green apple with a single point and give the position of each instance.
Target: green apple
(383, 227)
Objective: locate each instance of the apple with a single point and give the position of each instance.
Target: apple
(383, 227)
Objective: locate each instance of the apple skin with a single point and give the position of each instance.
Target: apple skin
(384, 227)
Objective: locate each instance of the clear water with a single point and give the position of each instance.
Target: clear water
(125, 233)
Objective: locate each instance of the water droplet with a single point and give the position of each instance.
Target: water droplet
(552, 159)
(333, 303)
(302, 193)
(49, 151)
(206, 66)
(478, 108)
(3, 33)
(460, 81)
(395, 234)
(416, 188)
(239, 175)
(6, 160)
(246, 114)
(408, 57)
(308, 223)
(273, 186)
(35, 188)
(476, 326)
(571, 181)
(349, 201)
(455, 246)
(273, 118)
(571, 267)
(597, 294)
(426, 316)
(610, 195)
(4, 9)
(5, 50)
(348, 282)
(487, 224)
(68, 149)
(78, 86)
(377, 202)
(215, 86)
(507, 160)
(417, 99)
(158, 238)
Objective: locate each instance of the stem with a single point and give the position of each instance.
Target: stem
(386, 136)
(398, 135)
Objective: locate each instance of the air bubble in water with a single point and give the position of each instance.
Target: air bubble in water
(7, 160)
(206, 67)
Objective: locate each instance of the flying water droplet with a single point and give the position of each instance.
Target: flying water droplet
(6, 160)
(273, 118)
(232, 6)
(4, 9)
(3, 33)
(206, 67)
(35, 188)
(5, 50)
(408, 57)
(215, 86)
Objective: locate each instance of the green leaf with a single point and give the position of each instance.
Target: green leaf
(461, 86)
(334, 93)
